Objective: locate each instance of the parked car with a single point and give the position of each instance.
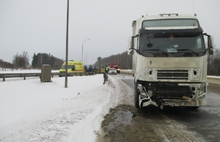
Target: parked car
(112, 71)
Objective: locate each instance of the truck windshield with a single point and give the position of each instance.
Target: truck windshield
(172, 44)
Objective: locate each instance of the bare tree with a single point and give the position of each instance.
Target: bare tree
(21, 61)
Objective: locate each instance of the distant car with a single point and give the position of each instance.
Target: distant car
(112, 71)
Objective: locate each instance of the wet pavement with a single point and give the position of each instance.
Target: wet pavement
(197, 120)
(126, 123)
(122, 125)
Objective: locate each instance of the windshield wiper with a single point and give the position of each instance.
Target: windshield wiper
(188, 50)
(158, 50)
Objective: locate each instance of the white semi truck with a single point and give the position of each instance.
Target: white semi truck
(169, 62)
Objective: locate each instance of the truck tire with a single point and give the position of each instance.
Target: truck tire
(136, 96)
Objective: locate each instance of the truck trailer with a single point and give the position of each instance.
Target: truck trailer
(169, 61)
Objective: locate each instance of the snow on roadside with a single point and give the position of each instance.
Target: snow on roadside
(6, 70)
(34, 111)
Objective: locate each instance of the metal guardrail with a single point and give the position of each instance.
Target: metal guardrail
(214, 79)
(126, 71)
(24, 75)
(210, 79)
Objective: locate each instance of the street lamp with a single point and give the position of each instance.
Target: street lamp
(67, 29)
(86, 56)
(82, 47)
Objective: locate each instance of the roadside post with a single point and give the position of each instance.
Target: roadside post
(45, 73)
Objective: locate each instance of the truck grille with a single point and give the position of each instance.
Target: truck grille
(173, 74)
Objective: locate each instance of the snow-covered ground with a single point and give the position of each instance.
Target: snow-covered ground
(35, 111)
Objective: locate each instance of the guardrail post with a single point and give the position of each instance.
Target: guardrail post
(45, 73)
(24, 76)
(3, 78)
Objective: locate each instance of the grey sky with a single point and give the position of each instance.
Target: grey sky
(39, 26)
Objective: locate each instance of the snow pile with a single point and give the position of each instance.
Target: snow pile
(35, 111)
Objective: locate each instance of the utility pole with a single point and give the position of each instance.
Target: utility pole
(67, 29)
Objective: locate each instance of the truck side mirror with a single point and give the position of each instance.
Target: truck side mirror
(210, 51)
(130, 51)
(132, 41)
(210, 43)
(131, 45)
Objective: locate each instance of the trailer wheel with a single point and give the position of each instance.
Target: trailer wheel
(136, 95)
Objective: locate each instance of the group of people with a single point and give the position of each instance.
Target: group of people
(88, 68)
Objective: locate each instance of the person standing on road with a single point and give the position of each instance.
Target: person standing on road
(106, 69)
(105, 74)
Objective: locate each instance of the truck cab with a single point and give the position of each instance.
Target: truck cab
(169, 60)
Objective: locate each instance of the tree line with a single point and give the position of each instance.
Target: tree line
(19, 61)
(22, 61)
(214, 64)
(43, 58)
(4, 64)
(123, 59)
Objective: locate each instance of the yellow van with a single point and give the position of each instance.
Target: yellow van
(74, 68)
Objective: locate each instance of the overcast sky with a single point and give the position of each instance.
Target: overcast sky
(39, 26)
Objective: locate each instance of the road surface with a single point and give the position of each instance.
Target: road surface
(128, 124)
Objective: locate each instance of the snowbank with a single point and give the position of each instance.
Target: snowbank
(35, 111)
